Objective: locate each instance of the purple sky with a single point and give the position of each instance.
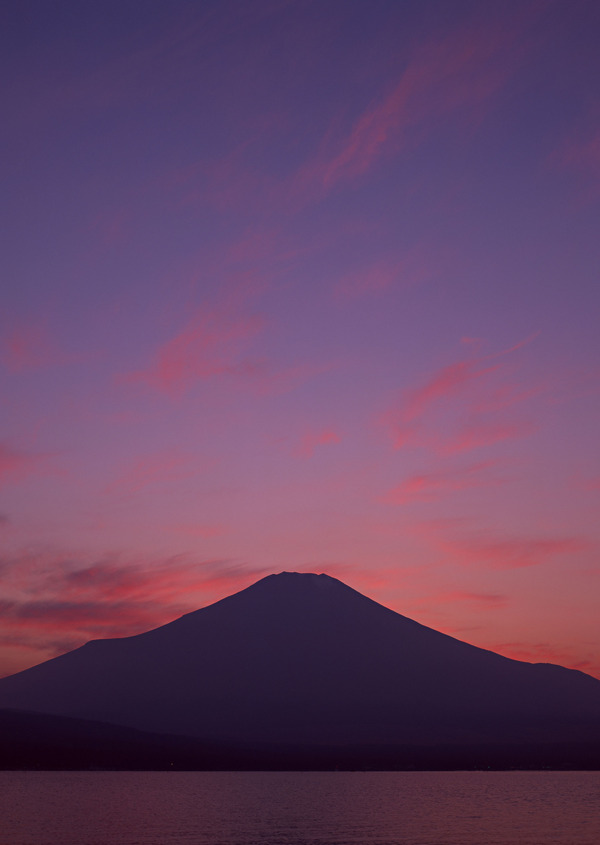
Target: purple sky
(308, 286)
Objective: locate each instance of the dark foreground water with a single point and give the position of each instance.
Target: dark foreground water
(299, 808)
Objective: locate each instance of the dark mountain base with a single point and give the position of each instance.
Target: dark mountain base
(32, 741)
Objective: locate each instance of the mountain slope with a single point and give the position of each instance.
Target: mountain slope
(303, 659)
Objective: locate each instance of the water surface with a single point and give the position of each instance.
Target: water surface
(299, 808)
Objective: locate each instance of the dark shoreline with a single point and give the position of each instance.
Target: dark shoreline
(35, 742)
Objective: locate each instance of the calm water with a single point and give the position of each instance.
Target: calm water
(300, 808)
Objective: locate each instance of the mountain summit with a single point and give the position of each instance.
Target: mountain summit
(304, 660)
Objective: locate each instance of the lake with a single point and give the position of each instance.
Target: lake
(299, 808)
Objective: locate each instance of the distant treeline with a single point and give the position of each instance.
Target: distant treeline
(42, 742)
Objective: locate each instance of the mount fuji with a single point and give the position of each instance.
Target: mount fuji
(302, 661)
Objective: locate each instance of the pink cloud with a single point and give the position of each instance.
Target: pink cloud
(312, 439)
(461, 407)
(483, 600)
(545, 653)
(478, 434)
(502, 396)
(591, 484)
(586, 480)
(16, 466)
(456, 75)
(57, 576)
(515, 553)
(447, 382)
(429, 487)
(475, 342)
(55, 603)
(383, 579)
(210, 345)
(415, 266)
(488, 550)
(452, 76)
(12, 463)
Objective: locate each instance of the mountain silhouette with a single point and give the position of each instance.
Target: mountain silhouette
(302, 660)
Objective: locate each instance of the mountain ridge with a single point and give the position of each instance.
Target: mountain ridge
(302, 659)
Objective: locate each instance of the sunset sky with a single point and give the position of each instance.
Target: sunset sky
(301, 285)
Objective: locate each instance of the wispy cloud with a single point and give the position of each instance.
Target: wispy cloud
(446, 78)
(211, 344)
(515, 553)
(312, 439)
(477, 434)
(56, 601)
(463, 406)
(590, 483)
(488, 549)
(455, 75)
(543, 652)
(17, 465)
(446, 384)
(481, 600)
(414, 266)
(430, 487)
